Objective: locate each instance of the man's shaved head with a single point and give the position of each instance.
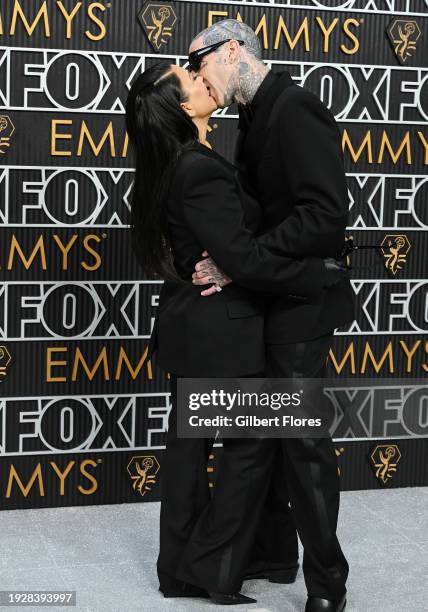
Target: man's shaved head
(231, 28)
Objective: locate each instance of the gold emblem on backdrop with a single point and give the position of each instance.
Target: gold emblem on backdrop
(158, 22)
(5, 359)
(395, 248)
(339, 452)
(384, 459)
(6, 130)
(143, 470)
(210, 470)
(403, 35)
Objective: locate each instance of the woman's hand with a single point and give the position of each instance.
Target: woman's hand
(206, 273)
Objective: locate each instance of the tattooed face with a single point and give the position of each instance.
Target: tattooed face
(230, 73)
(219, 71)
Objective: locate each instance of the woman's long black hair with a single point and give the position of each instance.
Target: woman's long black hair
(159, 130)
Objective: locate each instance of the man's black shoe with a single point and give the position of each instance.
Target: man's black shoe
(230, 600)
(283, 576)
(318, 604)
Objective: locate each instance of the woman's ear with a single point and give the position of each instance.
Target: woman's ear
(187, 109)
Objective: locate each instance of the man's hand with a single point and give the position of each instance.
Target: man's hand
(336, 270)
(206, 273)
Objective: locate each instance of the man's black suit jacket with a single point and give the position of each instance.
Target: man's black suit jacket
(290, 156)
(223, 334)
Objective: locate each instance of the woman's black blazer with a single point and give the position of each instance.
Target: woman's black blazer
(222, 334)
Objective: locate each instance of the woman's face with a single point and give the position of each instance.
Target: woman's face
(199, 104)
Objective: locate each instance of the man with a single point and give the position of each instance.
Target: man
(289, 153)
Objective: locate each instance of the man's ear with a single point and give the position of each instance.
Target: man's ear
(234, 50)
(187, 109)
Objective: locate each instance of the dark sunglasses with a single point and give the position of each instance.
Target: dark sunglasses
(195, 58)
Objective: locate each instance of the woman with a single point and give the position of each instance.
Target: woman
(186, 199)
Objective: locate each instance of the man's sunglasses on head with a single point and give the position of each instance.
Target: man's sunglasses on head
(195, 58)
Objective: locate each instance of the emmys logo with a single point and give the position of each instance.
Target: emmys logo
(395, 248)
(4, 361)
(143, 470)
(6, 130)
(158, 21)
(403, 34)
(384, 459)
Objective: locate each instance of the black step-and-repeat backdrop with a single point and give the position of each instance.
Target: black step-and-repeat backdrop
(82, 410)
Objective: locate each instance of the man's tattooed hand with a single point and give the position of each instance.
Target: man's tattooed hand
(207, 273)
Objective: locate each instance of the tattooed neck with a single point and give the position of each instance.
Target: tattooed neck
(249, 78)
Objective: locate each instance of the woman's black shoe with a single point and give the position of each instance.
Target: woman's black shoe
(230, 600)
(186, 590)
(171, 587)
